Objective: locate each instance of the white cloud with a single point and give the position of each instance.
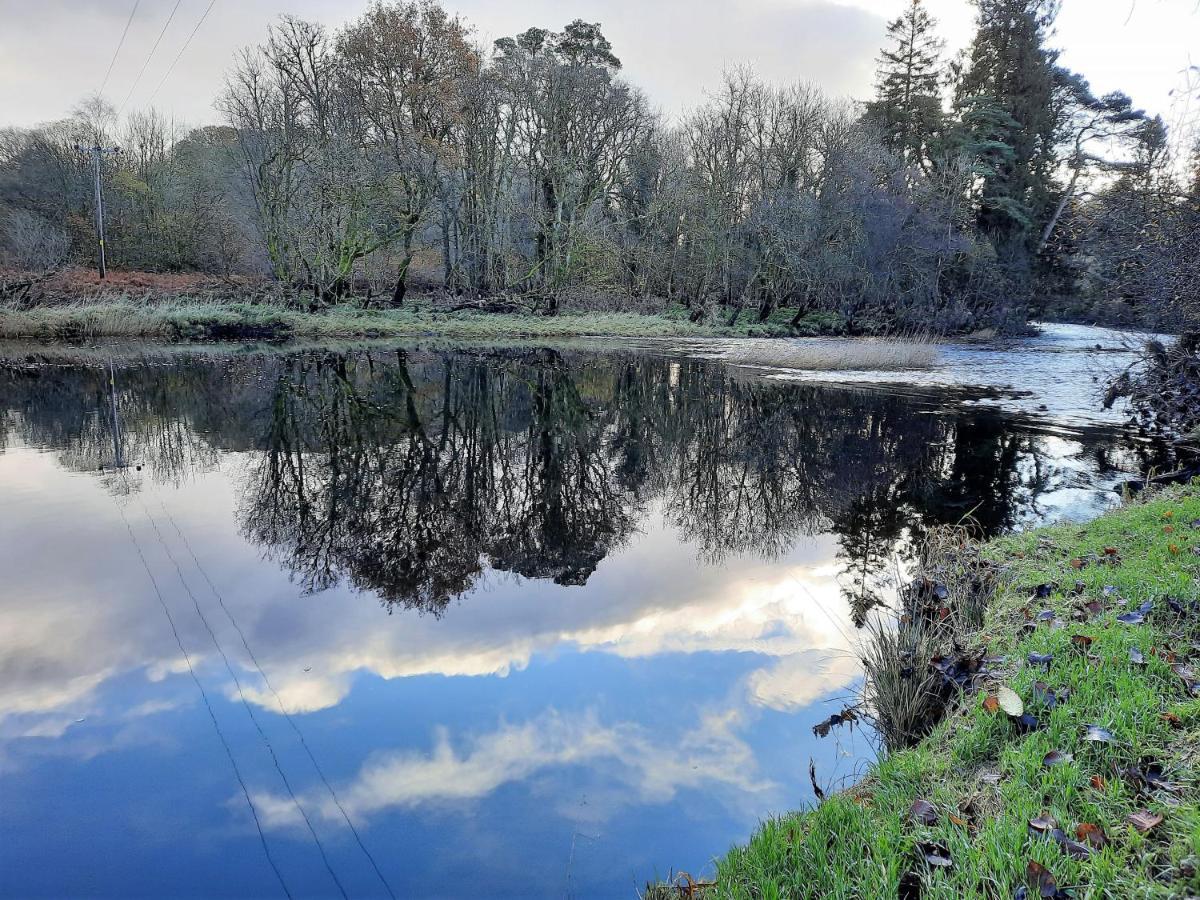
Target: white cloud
(655, 767)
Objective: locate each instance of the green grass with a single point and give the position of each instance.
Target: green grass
(861, 843)
(183, 319)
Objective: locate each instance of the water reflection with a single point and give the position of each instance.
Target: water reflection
(620, 587)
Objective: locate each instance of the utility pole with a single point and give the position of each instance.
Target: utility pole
(97, 153)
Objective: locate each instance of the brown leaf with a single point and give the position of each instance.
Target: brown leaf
(1092, 835)
(1144, 820)
(1171, 719)
(1081, 641)
(1099, 783)
(1077, 563)
(991, 703)
(1056, 758)
(1041, 880)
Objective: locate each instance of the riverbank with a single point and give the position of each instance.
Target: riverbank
(184, 320)
(988, 804)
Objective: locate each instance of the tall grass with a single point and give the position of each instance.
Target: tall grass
(848, 354)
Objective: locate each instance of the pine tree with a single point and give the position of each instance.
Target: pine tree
(907, 108)
(1008, 120)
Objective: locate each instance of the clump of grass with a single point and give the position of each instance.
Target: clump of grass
(986, 775)
(941, 609)
(839, 355)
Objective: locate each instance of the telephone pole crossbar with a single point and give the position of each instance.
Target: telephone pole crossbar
(97, 152)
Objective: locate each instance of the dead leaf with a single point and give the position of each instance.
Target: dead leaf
(1092, 835)
(1099, 783)
(1144, 820)
(991, 703)
(1097, 734)
(1010, 701)
(1171, 719)
(1056, 758)
(935, 854)
(923, 812)
(1043, 824)
(1042, 881)
(1081, 641)
(1136, 657)
(1041, 659)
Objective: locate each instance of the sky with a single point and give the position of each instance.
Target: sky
(674, 50)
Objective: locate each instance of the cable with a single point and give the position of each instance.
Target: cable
(171, 67)
(204, 695)
(146, 64)
(120, 44)
(278, 700)
(245, 703)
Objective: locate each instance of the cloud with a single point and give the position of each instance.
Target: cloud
(654, 766)
(796, 681)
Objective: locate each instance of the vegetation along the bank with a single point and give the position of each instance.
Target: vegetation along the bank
(1066, 766)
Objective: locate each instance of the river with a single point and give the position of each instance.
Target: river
(442, 622)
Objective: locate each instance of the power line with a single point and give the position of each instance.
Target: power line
(171, 67)
(245, 703)
(204, 696)
(149, 57)
(278, 700)
(120, 44)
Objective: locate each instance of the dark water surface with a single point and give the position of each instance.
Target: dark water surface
(476, 623)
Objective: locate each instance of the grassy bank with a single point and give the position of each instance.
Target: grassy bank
(177, 319)
(987, 777)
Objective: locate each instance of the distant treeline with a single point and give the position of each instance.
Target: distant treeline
(969, 193)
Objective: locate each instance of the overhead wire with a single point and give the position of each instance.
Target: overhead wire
(245, 703)
(204, 696)
(278, 700)
(149, 56)
(120, 44)
(171, 68)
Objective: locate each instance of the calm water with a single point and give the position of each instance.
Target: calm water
(505, 623)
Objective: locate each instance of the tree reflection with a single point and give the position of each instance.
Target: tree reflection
(411, 474)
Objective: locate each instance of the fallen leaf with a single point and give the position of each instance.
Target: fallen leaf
(1043, 824)
(1027, 723)
(1097, 734)
(1092, 835)
(1073, 849)
(923, 812)
(1110, 551)
(1077, 563)
(1144, 820)
(991, 703)
(1174, 549)
(1099, 783)
(1042, 694)
(961, 823)
(1056, 758)
(1010, 701)
(1171, 719)
(1041, 659)
(1042, 881)
(1081, 641)
(1136, 657)
(935, 854)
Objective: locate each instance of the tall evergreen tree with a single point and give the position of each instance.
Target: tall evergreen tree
(1009, 120)
(907, 108)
